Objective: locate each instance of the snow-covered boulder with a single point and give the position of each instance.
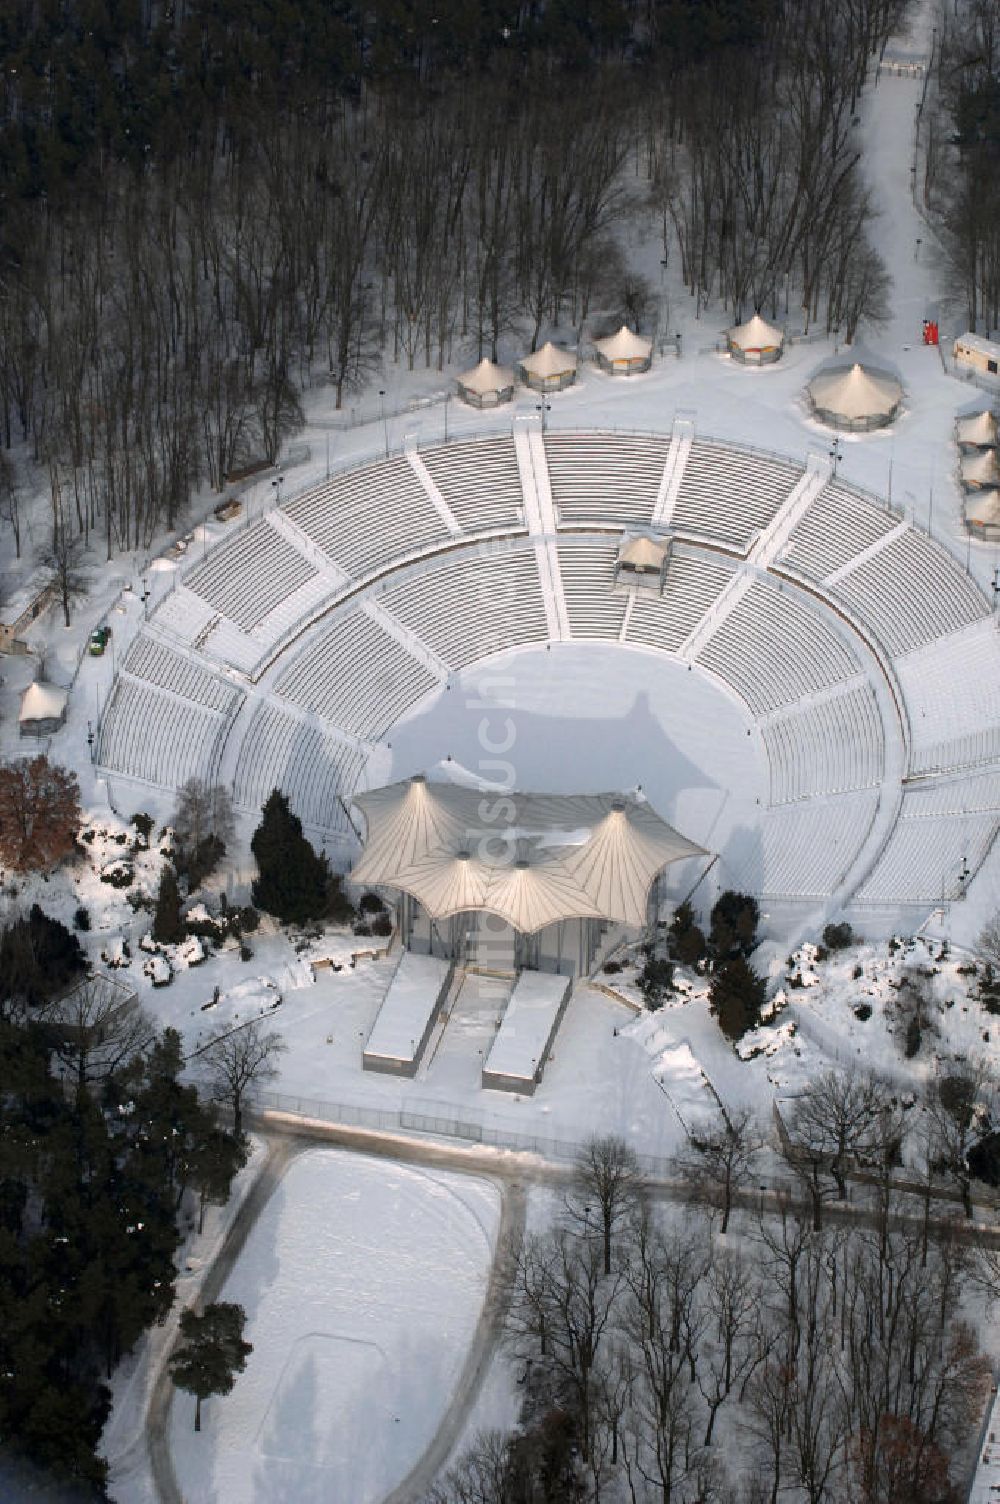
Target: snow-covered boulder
(116, 953)
(159, 971)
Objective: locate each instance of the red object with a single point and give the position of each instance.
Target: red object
(930, 332)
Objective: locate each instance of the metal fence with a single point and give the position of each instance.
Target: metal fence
(438, 1120)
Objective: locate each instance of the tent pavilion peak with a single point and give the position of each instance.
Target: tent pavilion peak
(548, 858)
(856, 394)
(756, 339)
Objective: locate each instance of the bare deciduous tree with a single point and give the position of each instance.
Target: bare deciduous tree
(236, 1062)
(720, 1156)
(608, 1188)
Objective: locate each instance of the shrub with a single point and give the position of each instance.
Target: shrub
(382, 924)
(81, 918)
(360, 928)
(838, 936)
(167, 926)
(863, 1012)
(143, 824)
(612, 967)
(858, 971)
(246, 954)
(119, 874)
(984, 1159)
(370, 903)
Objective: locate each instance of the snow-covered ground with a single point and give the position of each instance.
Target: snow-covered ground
(363, 1283)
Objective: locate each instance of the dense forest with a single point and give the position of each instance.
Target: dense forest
(210, 208)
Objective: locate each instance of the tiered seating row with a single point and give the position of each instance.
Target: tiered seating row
(466, 608)
(247, 576)
(951, 689)
(150, 660)
(312, 769)
(806, 850)
(588, 574)
(935, 845)
(840, 524)
(356, 676)
(910, 592)
(151, 736)
(774, 651)
(480, 481)
(691, 588)
(729, 494)
(366, 518)
(829, 748)
(605, 477)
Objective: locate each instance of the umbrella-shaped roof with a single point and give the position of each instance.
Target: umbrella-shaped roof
(625, 345)
(981, 469)
(549, 361)
(756, 334)
(549, 857)
(982, 508)
(855, 392)
(980, 429)
(486, 377)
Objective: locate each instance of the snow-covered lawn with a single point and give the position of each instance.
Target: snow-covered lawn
(363, 1283)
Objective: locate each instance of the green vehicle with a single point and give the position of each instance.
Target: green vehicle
(99, 639)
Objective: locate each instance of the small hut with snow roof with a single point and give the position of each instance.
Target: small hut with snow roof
(548, 369)
(755, 343)
(486, 385)
(624, 353)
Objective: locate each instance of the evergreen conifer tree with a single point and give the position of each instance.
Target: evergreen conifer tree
(737, 996)
(167, 926)
(293, 880)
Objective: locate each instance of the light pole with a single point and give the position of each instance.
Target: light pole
(836, 454)
(447, 399)
(543, 408)
(995, 585)
(276, 485)
(385, 424)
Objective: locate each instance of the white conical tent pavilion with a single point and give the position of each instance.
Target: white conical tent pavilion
(548, 369)
(486, 385)
(624, 353)
(982, 510)
(552, 857)
(756, 342)
(977, 432)
(43, 709)
(855, 397)
(980, 470)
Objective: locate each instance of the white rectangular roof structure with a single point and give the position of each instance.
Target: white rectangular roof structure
(399, 1031)
(548, 857)
(525, 1033)
(975, 342)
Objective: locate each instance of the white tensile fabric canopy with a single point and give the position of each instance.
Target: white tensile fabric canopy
(624, 346)
(486, 378)
(980, 469)
(42, 702)
(548, 857)
(982, 508)
(980, 430)
(856, 393)
(756, 334)
(548, 362)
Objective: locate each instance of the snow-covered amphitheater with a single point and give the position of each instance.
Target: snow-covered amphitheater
(812, 691)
